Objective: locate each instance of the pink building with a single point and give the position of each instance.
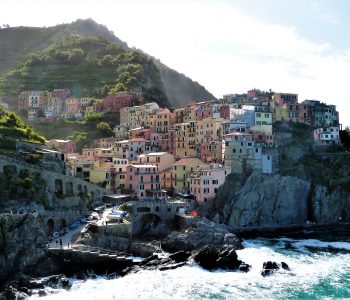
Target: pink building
(73, 107)
(203, 112)
(65, 146)
(326, 136)
(144, 181)
(285, 98)
(120, 100)
(140, 132)
(254, 93)
(61, 93)
(206, 180)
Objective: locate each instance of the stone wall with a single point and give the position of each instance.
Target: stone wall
(56, 182)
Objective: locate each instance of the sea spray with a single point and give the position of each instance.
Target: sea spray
(315, 273)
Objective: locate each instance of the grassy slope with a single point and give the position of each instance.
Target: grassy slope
(16, 43)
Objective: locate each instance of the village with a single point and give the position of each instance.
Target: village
(188, 151)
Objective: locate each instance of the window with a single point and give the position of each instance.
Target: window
(215, 181)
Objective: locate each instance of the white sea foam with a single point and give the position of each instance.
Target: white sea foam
(308, 271)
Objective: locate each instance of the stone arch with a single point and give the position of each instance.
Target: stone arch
(50, 226)
(148, 223)
(69, 188)
(10, 170)
(59, 186)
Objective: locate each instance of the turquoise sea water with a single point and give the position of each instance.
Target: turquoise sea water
(319, 270)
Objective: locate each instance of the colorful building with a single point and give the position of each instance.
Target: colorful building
(181, 171)
(144, 181)
(326, 136)
(206, 180)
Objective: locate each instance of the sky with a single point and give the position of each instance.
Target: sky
(296, 46)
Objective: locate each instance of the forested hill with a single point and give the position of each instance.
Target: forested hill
(87, 58)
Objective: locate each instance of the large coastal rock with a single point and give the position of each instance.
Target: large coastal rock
(211, 257)
(266, 200)
(276, 201)
(201, 233)
(22, 244)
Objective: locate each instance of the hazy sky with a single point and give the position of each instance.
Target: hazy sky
(299, 46)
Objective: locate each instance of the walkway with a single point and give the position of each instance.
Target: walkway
(91, 254)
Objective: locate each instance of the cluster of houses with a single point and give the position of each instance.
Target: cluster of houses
(50, 105)
(192, 149)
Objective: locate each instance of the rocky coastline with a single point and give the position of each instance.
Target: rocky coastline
(206, 243)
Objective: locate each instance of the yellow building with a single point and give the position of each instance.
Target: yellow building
(160, 120)
(181, 172)
(280, 113)
(208, 130)
(185, 139)
(189, 114)
(101, 172)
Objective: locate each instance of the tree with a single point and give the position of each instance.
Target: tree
(345, 138)
(104, 129)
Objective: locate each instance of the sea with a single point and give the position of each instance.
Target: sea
(320, 269)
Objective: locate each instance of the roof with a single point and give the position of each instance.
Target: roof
(123, 142)
(186, 160)
(163, 111)
(156, 153)
(144, 166)
(137, 140)
(60, 141)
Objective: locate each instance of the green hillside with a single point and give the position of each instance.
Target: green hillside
(89, 59)
(88, 66)
(17, 42)
(12, 128)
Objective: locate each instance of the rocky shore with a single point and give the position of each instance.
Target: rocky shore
(206, 243)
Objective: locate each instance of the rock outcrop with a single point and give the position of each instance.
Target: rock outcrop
(275, 201)
(22, 244)
(211, 257)
(270, 201)
(201, 233)
(270, 267)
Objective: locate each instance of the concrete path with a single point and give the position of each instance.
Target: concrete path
(69, 237)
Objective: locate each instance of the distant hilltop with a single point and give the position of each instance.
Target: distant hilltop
(89, 59)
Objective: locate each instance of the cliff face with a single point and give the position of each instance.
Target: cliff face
(276, 200)
(265, 200)
(308, 184)
(22, 242)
